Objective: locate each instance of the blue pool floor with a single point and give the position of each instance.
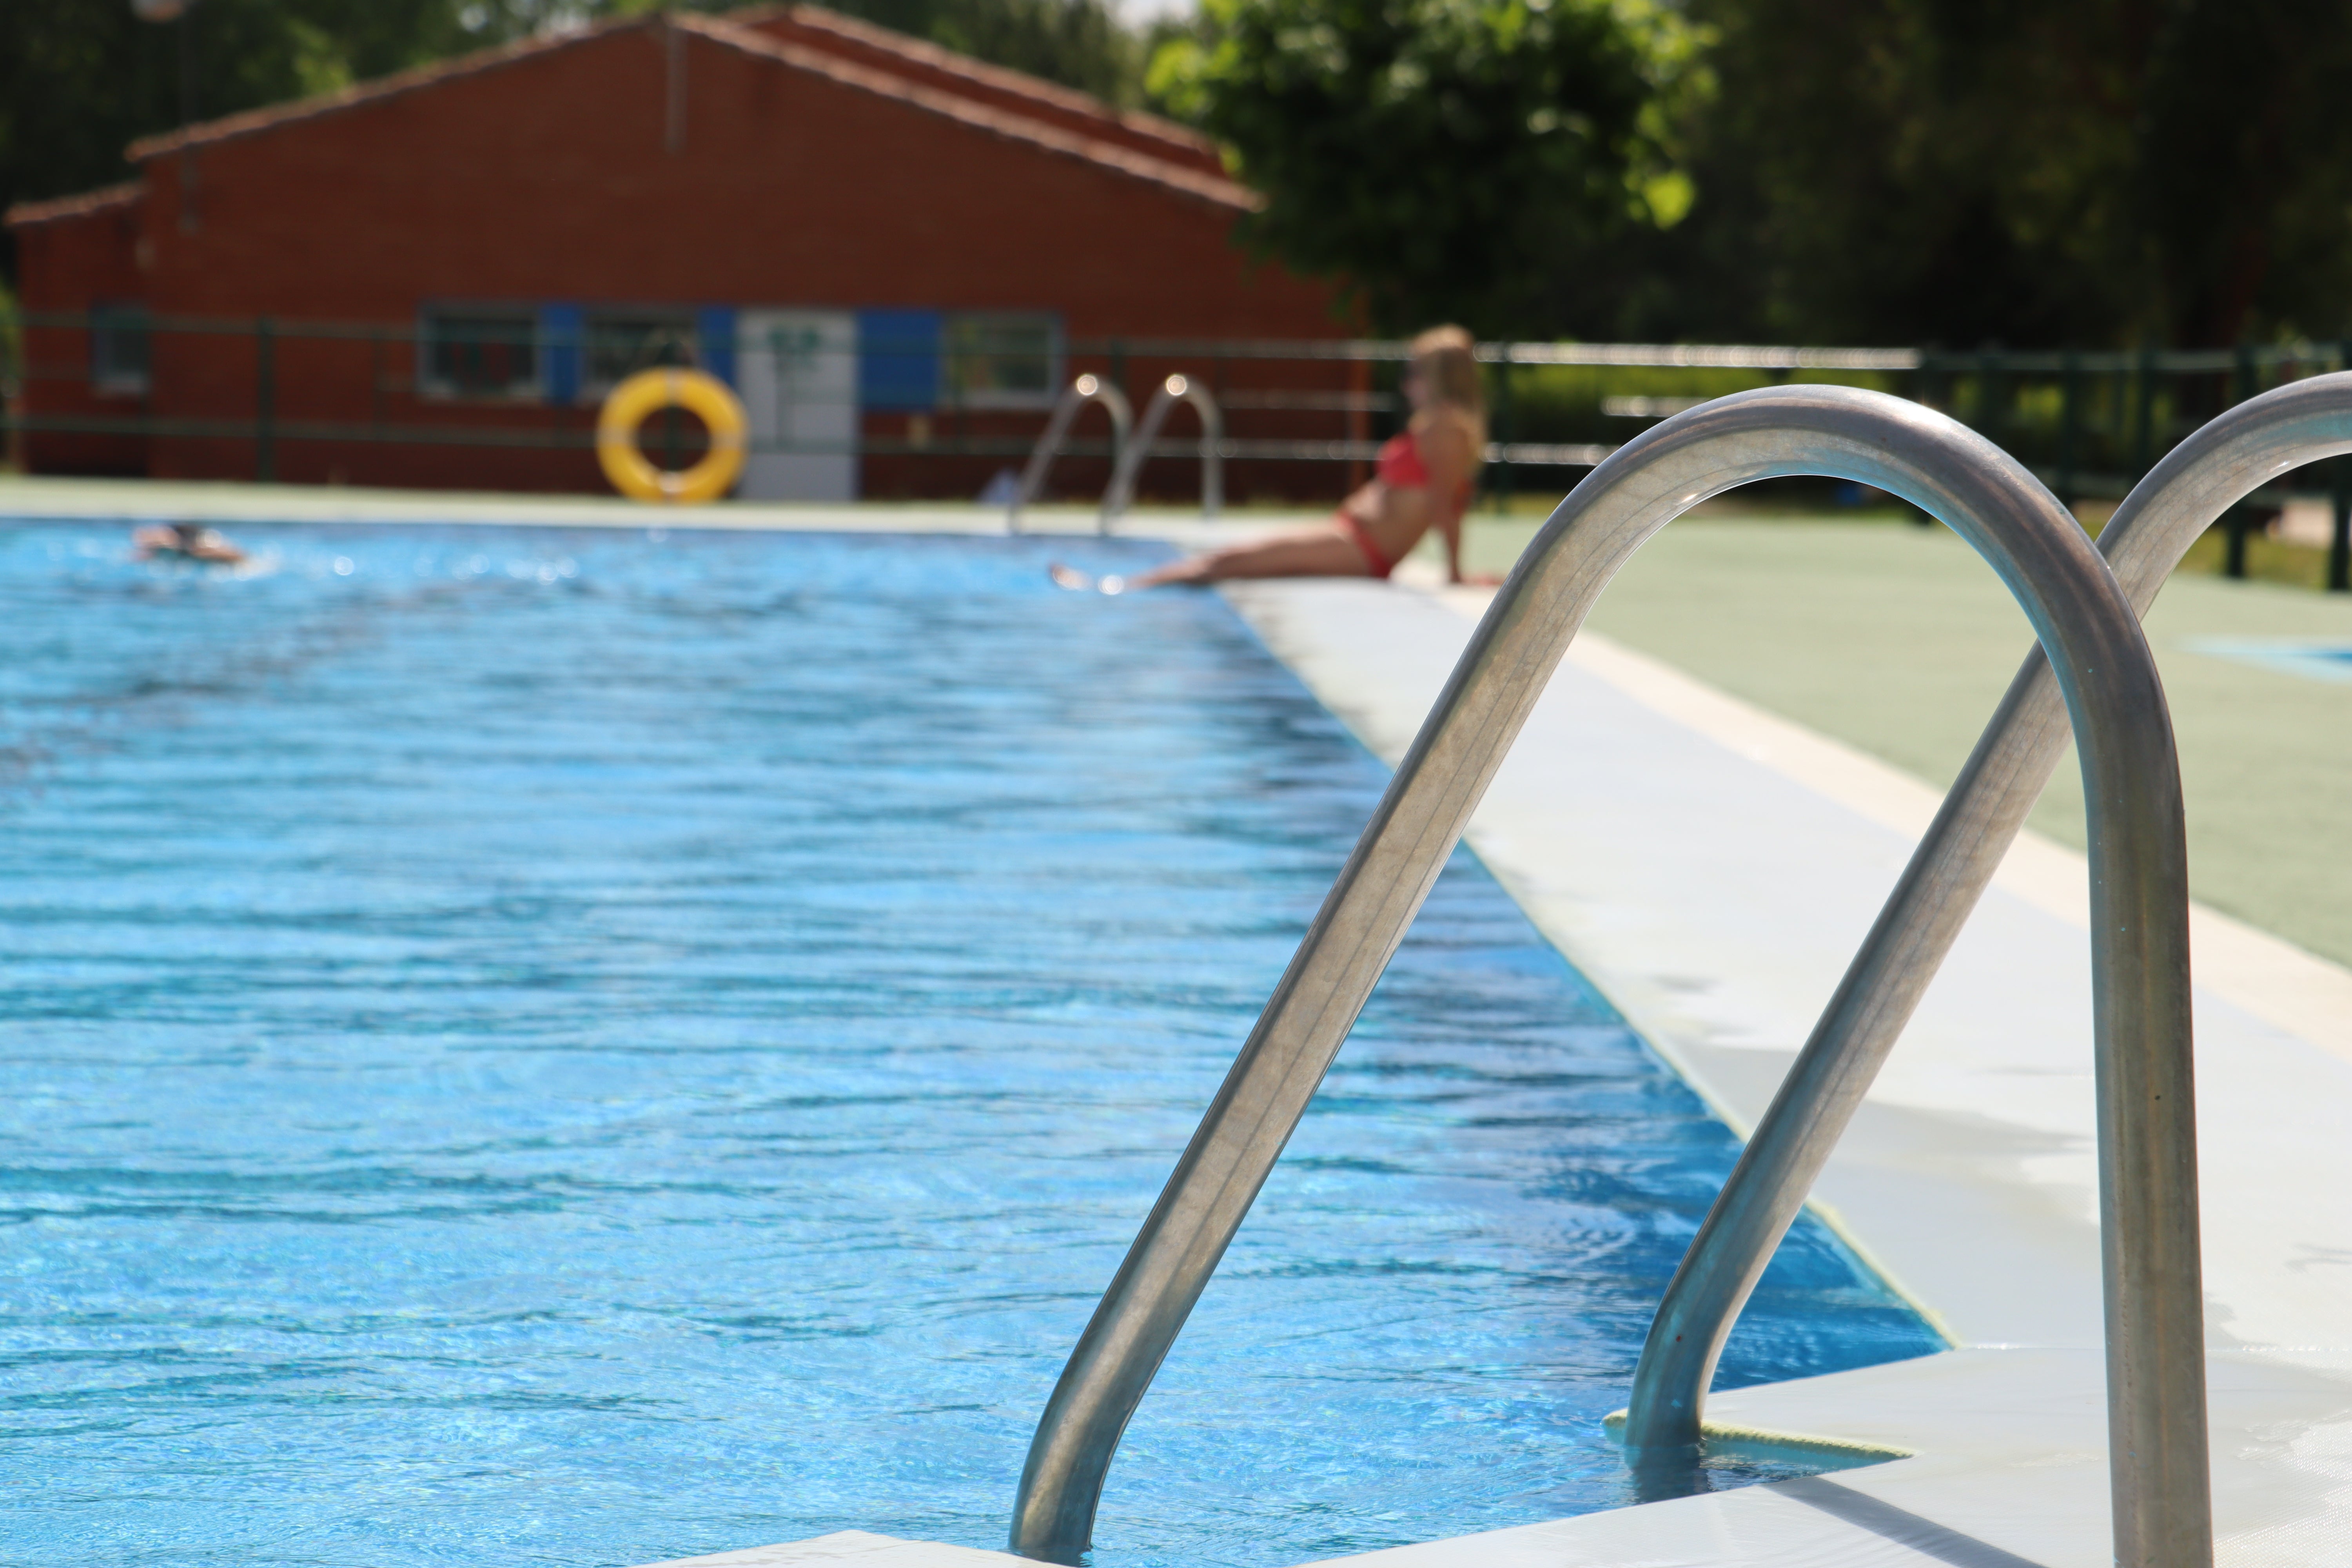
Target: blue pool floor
(530, 1046)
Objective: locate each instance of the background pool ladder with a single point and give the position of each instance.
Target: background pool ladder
(1178, 388)
(2101, 674)
(1129, 445)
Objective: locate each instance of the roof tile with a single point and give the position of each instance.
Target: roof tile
(1184, 177)
(81, 203)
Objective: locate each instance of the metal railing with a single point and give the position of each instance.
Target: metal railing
(1074, 397)
(276, 397)
(2195, 485)
(2139, 923)
(1120, 495)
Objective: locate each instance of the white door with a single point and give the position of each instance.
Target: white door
(797, 371)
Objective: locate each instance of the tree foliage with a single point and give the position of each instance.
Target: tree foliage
(2035, 172)
(1078, 43)
(2027, 172)
(1444, 159)
(80, 79)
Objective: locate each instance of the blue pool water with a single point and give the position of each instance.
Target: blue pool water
(2311, 658)
(536, 1047)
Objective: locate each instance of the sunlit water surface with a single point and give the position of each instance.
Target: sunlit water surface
(531, 1046)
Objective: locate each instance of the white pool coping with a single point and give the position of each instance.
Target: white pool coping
(1711, 868)
(226, 501)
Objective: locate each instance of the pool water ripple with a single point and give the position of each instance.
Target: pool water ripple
(532, 1046)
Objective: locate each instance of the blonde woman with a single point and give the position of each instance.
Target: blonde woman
(1421, 481)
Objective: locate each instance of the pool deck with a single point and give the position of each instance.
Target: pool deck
(1711, 867)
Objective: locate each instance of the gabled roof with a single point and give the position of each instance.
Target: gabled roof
(978, 115)
(269, 118)
(82, 203)
(834, 33)
(972, 111)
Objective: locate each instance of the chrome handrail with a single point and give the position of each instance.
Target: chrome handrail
(1175, 389)
(2138, 895)
(1074, 397)
(2181, 497)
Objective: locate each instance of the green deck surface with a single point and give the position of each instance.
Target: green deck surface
(1898, 641)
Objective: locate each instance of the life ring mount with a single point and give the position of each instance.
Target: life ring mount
(648, 392)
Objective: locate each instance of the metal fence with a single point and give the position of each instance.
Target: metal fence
(87, 388)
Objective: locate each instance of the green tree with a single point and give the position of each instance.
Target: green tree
(2023, 170)
(1077, 42)
(80, 79)
(1462, 159)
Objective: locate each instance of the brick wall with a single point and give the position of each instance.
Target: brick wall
(77, 256)
(643, 164)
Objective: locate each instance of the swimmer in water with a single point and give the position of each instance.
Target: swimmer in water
(192, 541)
(1423, 481)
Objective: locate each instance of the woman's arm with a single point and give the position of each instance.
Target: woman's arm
(1450, 525)
(1445, 452)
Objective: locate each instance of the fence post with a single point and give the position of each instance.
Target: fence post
(1934, 385)
(1118, 379)
(375, 382)
(1359, 417)
(2240, 516)
(265, 401)
(2070, 424)
(1507, 424)
(2339, 543)
(1989, 409)
(2144, 436)
(1217, 390)
(12, 389)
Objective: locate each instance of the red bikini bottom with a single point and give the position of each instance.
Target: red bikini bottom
(1353, 526)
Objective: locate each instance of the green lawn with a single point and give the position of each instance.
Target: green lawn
(1897, 639)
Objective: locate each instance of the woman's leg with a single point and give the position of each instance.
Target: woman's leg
(1310, 553)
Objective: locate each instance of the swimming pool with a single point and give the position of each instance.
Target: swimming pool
(536, 1047)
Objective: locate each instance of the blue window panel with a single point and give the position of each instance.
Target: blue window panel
(714, 333)
(898, 358)
(562, 329)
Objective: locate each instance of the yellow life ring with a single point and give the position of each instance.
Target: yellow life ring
(648, 392)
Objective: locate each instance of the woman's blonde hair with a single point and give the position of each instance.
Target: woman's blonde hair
(1449, 371)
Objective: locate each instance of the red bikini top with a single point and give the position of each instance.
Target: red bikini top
(1400, 464)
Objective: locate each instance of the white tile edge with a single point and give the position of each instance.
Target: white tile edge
(2265, 975)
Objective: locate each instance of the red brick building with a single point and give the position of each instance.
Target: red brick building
(893, 252)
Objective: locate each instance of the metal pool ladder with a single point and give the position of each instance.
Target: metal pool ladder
(2165, 513)
(2101, 669)
(1175, 389)
(1085, 389)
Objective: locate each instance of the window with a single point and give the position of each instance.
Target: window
(1002, 360)
(480, 352)
(621, 342)
(118, 348)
